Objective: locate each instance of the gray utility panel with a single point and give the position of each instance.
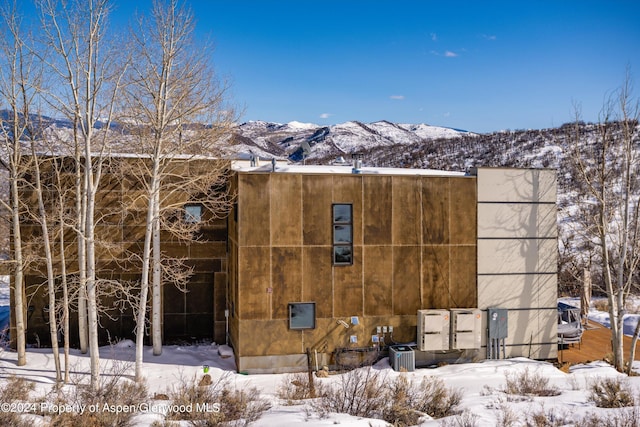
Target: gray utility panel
(497, 323)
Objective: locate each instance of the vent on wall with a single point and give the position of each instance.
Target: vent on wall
(433, 330)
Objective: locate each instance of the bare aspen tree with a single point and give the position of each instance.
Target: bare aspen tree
(25, 86)
(609, 167)
(62, 202)
(44, 219)
(28, 85)
(89, 80)
(175, 107)
(11, 78)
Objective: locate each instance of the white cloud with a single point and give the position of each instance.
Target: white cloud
(447, 53)
(325, 115)
(399, 97)
(489, 37)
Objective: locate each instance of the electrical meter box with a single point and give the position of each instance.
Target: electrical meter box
(497, 323)
(433, 330)
(466, 326)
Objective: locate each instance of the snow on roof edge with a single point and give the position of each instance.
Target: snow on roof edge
(343, 170)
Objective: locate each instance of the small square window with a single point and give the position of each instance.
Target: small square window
(343, 255)
(192, 214)
(342, 234)
(302, 315)
(342, 214)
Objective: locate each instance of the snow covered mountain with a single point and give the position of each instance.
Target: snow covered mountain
(386, 144)
(287, 140)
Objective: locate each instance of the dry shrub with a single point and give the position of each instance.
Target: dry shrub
(437, 400)
(243, 406)
(296, 387)
(487, 390)
(611, 393)
(112, 392)
(465, 419)
(546, 418)
(227, 405)
(401, 402)
(526, 383)
(609, 358)
(400, 410)
(627, 417)
(507, 417)
(601, 305)
(15, 391)
(359, 393)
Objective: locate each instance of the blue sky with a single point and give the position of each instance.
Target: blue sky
(476, 65)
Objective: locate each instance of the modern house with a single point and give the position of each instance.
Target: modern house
(336, 262)
(330, 258)
(121, 206)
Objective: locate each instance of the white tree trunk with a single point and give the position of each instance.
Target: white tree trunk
(81, 221)
(612, 293)
(65, 290)
(18, 292)
(141, 314)
(51, 290)
(91, 183)
(92, 306)
(156, 324)
(15, 77)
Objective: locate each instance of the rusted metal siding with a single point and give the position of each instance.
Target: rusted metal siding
(414, 247)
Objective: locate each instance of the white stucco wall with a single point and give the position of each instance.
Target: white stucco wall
(517, 255)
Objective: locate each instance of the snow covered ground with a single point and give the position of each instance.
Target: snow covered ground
(481, 384)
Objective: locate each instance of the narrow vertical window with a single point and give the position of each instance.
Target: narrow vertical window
(342, 234)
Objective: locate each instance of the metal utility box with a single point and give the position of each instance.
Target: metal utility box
(402, 358)
(497, 323)
(433, 330)
(466, 326)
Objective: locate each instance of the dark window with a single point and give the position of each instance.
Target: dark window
(192, 213)
(342, 254)
(342, 214)
(302, 315)
(342, 234)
